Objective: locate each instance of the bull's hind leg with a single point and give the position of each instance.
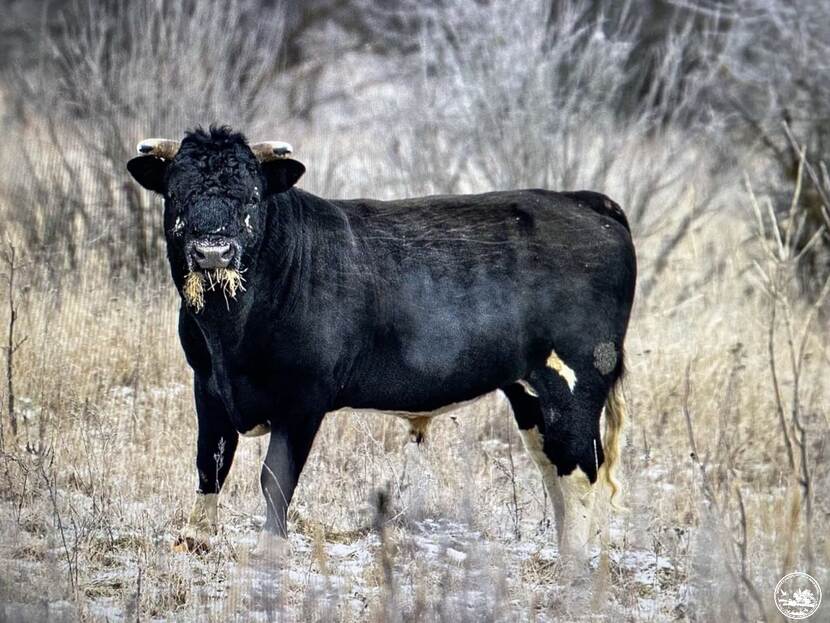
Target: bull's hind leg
(558, 410)
(528, 413)
(571, 495)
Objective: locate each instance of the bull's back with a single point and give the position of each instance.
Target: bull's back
(472, 290)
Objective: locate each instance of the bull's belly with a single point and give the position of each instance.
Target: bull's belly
(419, 421)
(413, 415)
(414, 391)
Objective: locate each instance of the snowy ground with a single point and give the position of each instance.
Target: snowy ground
(446, 547)
(101, 479)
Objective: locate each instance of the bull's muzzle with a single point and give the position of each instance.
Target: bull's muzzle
(212, 254)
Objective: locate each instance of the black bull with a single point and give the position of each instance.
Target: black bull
(405, 306)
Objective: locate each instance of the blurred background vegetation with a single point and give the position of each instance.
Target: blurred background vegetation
(415, 96)
(707, 120)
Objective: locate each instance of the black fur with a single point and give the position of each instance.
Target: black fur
(404, 305)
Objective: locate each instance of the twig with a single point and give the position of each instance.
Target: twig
(779, 404)
(742, 548)
(10, 258)
(51, 488)
(782, 259)
(516, 519)
(717, 510)
(810, 171)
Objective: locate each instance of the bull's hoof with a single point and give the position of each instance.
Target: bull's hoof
(195, 536)
(269, 546)
(191, 545)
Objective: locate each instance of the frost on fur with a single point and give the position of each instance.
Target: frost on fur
(228, 280)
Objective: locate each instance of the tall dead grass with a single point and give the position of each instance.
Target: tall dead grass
(100, 476)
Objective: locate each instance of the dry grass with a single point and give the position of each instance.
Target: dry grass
(193, 291)
(101, 477)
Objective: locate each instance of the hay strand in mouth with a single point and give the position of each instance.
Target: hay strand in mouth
(193, 290)
(228, 280)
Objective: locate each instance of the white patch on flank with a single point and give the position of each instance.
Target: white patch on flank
(572, 497)
(561, 368)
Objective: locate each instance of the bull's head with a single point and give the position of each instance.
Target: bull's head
(216, 189)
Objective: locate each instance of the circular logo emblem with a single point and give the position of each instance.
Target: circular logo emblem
(797, 595)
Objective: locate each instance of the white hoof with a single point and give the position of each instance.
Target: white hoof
(269, 547)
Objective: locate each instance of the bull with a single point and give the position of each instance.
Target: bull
(294, 306)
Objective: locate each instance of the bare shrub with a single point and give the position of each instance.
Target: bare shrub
(515, 94)
(119, 71)
(774, 60)
(537, 94)
(776, 268)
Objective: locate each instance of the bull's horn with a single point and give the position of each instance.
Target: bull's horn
(271, 150)
(160, 147)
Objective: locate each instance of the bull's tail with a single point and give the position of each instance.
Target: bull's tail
(614, 423)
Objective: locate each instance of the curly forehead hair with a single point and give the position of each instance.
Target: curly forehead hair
(218, 160)
(217, 137)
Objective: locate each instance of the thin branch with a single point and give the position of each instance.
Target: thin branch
(779, 403)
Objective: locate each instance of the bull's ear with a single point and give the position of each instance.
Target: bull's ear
(282, 173)
(149, 171)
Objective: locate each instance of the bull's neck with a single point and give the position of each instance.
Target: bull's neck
(306, 235)
(283, 259)
(224, 324)
(280, 278)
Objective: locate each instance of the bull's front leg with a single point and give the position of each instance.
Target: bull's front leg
(288, 450)
(216, 445)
